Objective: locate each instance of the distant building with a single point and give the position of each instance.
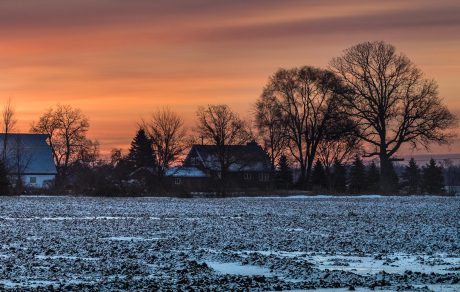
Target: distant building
(28, 157)
(249, 169)
(185, 179)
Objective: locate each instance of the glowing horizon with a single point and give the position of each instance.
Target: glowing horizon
(119, 61)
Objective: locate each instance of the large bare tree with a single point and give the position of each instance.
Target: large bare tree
(168, 135)
(308, 100)
(391, 101)
(218, 125)
(270, 126)
(66, 128)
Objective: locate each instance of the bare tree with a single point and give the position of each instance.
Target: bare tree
(340, 143)
(218, 125)
(168, 135)
(270, 126)
(89, 153)
(391, 101)
(9, 123)
(66, 128)
(341, 150)
(308, 100)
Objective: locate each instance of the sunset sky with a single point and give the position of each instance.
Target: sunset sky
(120, 60)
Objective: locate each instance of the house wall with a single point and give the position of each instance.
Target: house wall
(190, 184)
(453, 190)
(41, 180)
(249, 180)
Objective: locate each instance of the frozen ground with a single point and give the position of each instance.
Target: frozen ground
(331, 244)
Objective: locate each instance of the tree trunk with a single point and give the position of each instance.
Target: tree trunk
(308, 174)
(388, 183)
(302, 178)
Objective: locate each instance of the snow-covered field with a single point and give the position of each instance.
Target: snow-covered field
(381, 243)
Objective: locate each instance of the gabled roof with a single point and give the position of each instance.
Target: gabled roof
(249, 157)
(35, 156)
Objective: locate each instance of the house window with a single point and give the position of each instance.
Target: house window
(33, 180)
(177, 181)
(247, 176)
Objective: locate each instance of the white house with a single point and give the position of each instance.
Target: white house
(29, 157)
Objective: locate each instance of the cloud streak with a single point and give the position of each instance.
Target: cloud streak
(124, 58)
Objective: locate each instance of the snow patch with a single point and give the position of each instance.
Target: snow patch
(238, 269)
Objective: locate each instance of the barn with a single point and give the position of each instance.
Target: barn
(28, 157)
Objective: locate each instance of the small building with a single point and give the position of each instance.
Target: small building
(185, 179)
(249, 168)
(28, 157)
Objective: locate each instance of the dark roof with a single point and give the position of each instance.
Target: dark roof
(35, 154)
(249, 157)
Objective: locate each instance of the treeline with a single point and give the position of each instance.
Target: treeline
(358, 178)
(368, 103)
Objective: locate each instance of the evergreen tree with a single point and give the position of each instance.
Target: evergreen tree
(4, 183)
(373, 178)
(339, 177)
(318, 176)
(411, 177)
(283, 174)
(141, 151)
(433, 179)
(357, 176)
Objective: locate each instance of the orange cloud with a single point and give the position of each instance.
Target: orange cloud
(120, 60)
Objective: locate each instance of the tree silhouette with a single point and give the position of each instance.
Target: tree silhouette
(141, 151)
(4, 183)
(283, 174)
(433, 179)
(318, 176)
(8, 126)
(357, 178)
(270, 125)
(308, 101)
(168, 136)
(373, 178)
(66, 128)
(392, 102)
(411, 177)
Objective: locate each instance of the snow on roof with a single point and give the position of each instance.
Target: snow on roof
(35, 156)
(185, 172)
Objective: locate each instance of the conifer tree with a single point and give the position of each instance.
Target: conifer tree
(141, 151)
(433, 179)
(411, 177)
(4, 183)
(357, 176)
(373, 178)
(339, 177)
(318, 176)
(283, 173)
